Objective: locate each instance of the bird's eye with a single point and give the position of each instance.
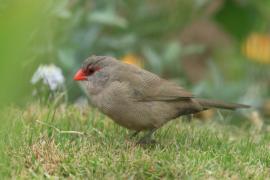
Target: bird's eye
(91, 70)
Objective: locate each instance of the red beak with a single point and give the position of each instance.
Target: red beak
(80, 76)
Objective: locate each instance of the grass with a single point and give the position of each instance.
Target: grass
(36, 144)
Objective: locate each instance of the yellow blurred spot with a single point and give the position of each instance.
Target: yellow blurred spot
(257, 48)
(133, 59)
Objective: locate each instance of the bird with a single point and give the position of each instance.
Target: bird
(137, 99)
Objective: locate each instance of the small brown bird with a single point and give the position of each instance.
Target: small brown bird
(137, 99)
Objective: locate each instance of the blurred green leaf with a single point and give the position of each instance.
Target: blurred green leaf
(194, 49)
(66, 57)
(108, 17)
(61, 10)
(172, 52)
(153, 59)
(238, 18)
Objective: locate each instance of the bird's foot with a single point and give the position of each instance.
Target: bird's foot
(188, 118)
(146, 141)
(134, 134)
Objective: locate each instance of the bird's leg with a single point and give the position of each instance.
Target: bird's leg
(188, 118)
(147, 139)
(134, 134)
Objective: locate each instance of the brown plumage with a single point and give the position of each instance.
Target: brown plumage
(137, 99)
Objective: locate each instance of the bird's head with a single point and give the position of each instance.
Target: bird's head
(95, 73)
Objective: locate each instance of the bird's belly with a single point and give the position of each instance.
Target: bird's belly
(130, 118)
(136, 115)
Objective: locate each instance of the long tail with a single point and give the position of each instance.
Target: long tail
(206, 103)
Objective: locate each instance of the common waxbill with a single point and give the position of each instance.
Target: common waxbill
(138, 99)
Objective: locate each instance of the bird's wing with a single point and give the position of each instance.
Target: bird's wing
(148, 86)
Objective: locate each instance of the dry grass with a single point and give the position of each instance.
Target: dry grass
(45, 153)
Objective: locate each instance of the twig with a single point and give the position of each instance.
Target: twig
(97, 131)
(58, 130)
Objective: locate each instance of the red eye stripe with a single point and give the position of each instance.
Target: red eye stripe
(97, 68)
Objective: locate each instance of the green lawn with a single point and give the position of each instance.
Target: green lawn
(36, 145)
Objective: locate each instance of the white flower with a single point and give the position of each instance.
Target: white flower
(51, 75)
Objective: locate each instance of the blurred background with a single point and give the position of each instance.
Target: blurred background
(217, 48)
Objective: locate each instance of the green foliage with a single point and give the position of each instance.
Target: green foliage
(17, 26)
(65, 32)
(238, 19)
